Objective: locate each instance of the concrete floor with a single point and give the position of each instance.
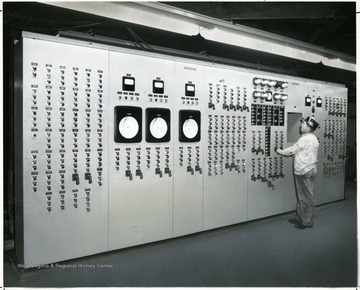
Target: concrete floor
(269, 252)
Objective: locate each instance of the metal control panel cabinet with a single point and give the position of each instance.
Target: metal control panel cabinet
(117, 147)
(62, 137)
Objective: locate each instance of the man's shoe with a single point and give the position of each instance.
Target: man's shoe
(294, 221)
(302, 227)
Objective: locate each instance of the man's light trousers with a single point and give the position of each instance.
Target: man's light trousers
(305, 197)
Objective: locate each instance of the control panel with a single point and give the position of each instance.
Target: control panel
(62, 118)
(134, 147)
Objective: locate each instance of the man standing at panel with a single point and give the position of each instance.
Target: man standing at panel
(305, 157)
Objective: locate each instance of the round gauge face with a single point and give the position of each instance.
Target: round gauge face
(158, 128)
(128, 127)
(190, 128)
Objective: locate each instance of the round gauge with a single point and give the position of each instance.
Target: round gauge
(128, 127)
(158, 128)
(190, 128)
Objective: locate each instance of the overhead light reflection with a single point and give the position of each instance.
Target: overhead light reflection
(162, 17)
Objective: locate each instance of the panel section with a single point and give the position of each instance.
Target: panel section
(188, 148)
(141, 150)
(64, 192)
(226, 147)
(329, 106)
(270, 96)
(294, 112)
(293, 134)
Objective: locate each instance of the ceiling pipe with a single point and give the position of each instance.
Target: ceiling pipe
(164, 17)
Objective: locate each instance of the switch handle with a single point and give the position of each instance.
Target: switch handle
(75, 177)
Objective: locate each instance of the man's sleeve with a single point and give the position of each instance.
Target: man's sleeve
(291, 150)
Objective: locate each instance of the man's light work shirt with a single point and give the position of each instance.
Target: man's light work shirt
(305, 153)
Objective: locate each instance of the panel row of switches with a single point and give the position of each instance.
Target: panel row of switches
(267, 169)
(230, 100)
(160, 162)
(279, 140)
(336, 106)
(334, 169)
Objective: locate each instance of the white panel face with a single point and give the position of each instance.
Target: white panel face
(141, 171)
(188, 135)
(135, 147)
(226, 141)
(64, 109)
(270, 98)
(329, 105)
